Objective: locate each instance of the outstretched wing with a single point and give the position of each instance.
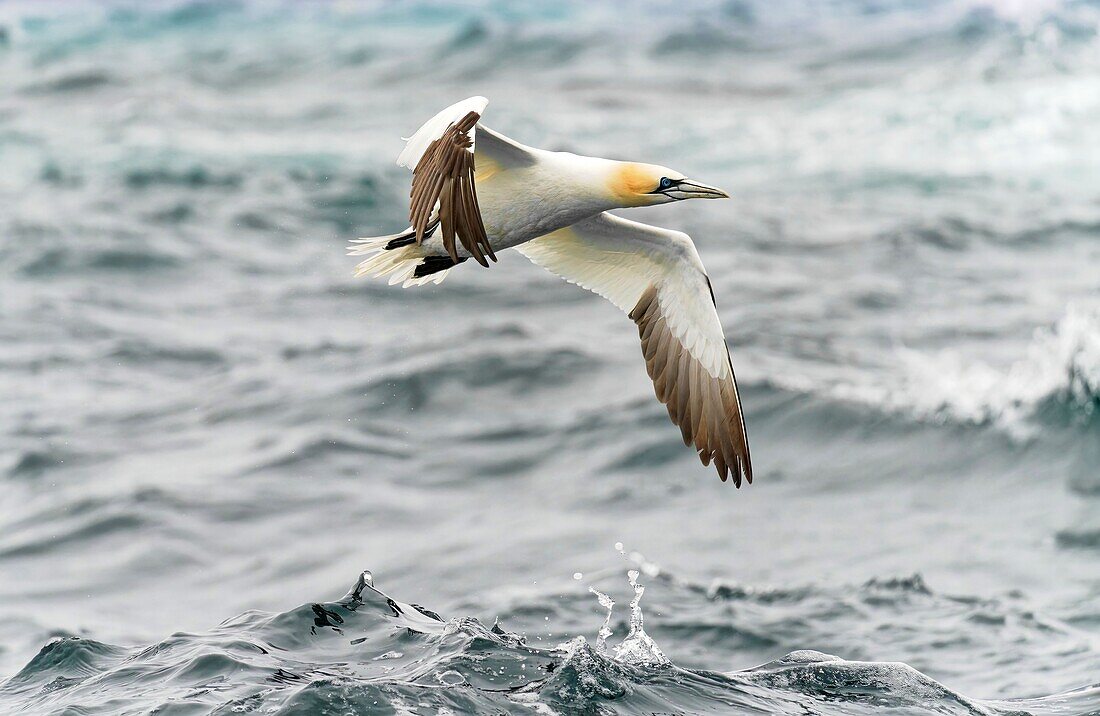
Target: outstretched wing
(441, 155)
(656, 276)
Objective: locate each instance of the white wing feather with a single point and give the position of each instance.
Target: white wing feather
(434, 127)
(655, 275)
(619, 259)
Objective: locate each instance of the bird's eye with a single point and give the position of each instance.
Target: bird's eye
(665, 182)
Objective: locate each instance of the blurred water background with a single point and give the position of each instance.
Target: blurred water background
(203, 415)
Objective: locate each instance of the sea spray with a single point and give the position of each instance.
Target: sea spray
(605, 629)
(638, 648)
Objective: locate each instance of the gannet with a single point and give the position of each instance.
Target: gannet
(493, 193)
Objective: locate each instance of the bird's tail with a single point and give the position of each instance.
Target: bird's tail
(401, 258)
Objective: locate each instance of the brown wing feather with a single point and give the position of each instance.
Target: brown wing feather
(445, 175)
(707, 409)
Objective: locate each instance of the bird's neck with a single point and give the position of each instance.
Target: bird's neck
(593, 183)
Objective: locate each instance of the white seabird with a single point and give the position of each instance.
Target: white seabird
(493, 193)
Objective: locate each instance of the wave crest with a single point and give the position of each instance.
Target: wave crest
(1061, 367)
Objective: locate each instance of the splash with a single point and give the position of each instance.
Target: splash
(638, 647)
(605, 629)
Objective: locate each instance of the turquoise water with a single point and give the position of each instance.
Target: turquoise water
(204, 415)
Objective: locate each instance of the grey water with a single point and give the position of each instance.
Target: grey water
(209, 429)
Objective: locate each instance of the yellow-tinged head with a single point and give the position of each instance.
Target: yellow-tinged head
(635, 184)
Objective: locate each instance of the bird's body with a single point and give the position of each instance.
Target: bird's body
(520, 203)
(492, 193)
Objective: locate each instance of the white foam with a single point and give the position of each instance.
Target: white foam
(1061, 362)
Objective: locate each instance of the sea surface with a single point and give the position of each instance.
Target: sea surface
(209, 429)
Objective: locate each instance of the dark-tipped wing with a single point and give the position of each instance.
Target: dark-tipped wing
(656, 276)
(705, 406)
(441, 155)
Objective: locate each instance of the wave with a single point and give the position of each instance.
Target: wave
(1061, 365)
(1060, 369)
(370, 651)
(194, 177)
(80, 81)
(901, 29)
(33, 463)
(53, 261)
(413, 386)
(1078, 538)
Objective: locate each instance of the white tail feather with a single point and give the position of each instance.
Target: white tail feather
(399, 264)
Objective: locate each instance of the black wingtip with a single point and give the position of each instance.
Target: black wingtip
(399, 242)
(434, 264)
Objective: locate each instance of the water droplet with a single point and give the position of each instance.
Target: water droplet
(618, 546)
(605, 630)
(578, 576)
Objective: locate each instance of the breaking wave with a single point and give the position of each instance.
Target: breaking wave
(1061, 368)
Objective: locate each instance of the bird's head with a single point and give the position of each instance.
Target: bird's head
(636, 184)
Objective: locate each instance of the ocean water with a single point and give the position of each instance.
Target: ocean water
(209, 429)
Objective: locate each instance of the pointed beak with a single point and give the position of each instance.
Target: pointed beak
(688, 189)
